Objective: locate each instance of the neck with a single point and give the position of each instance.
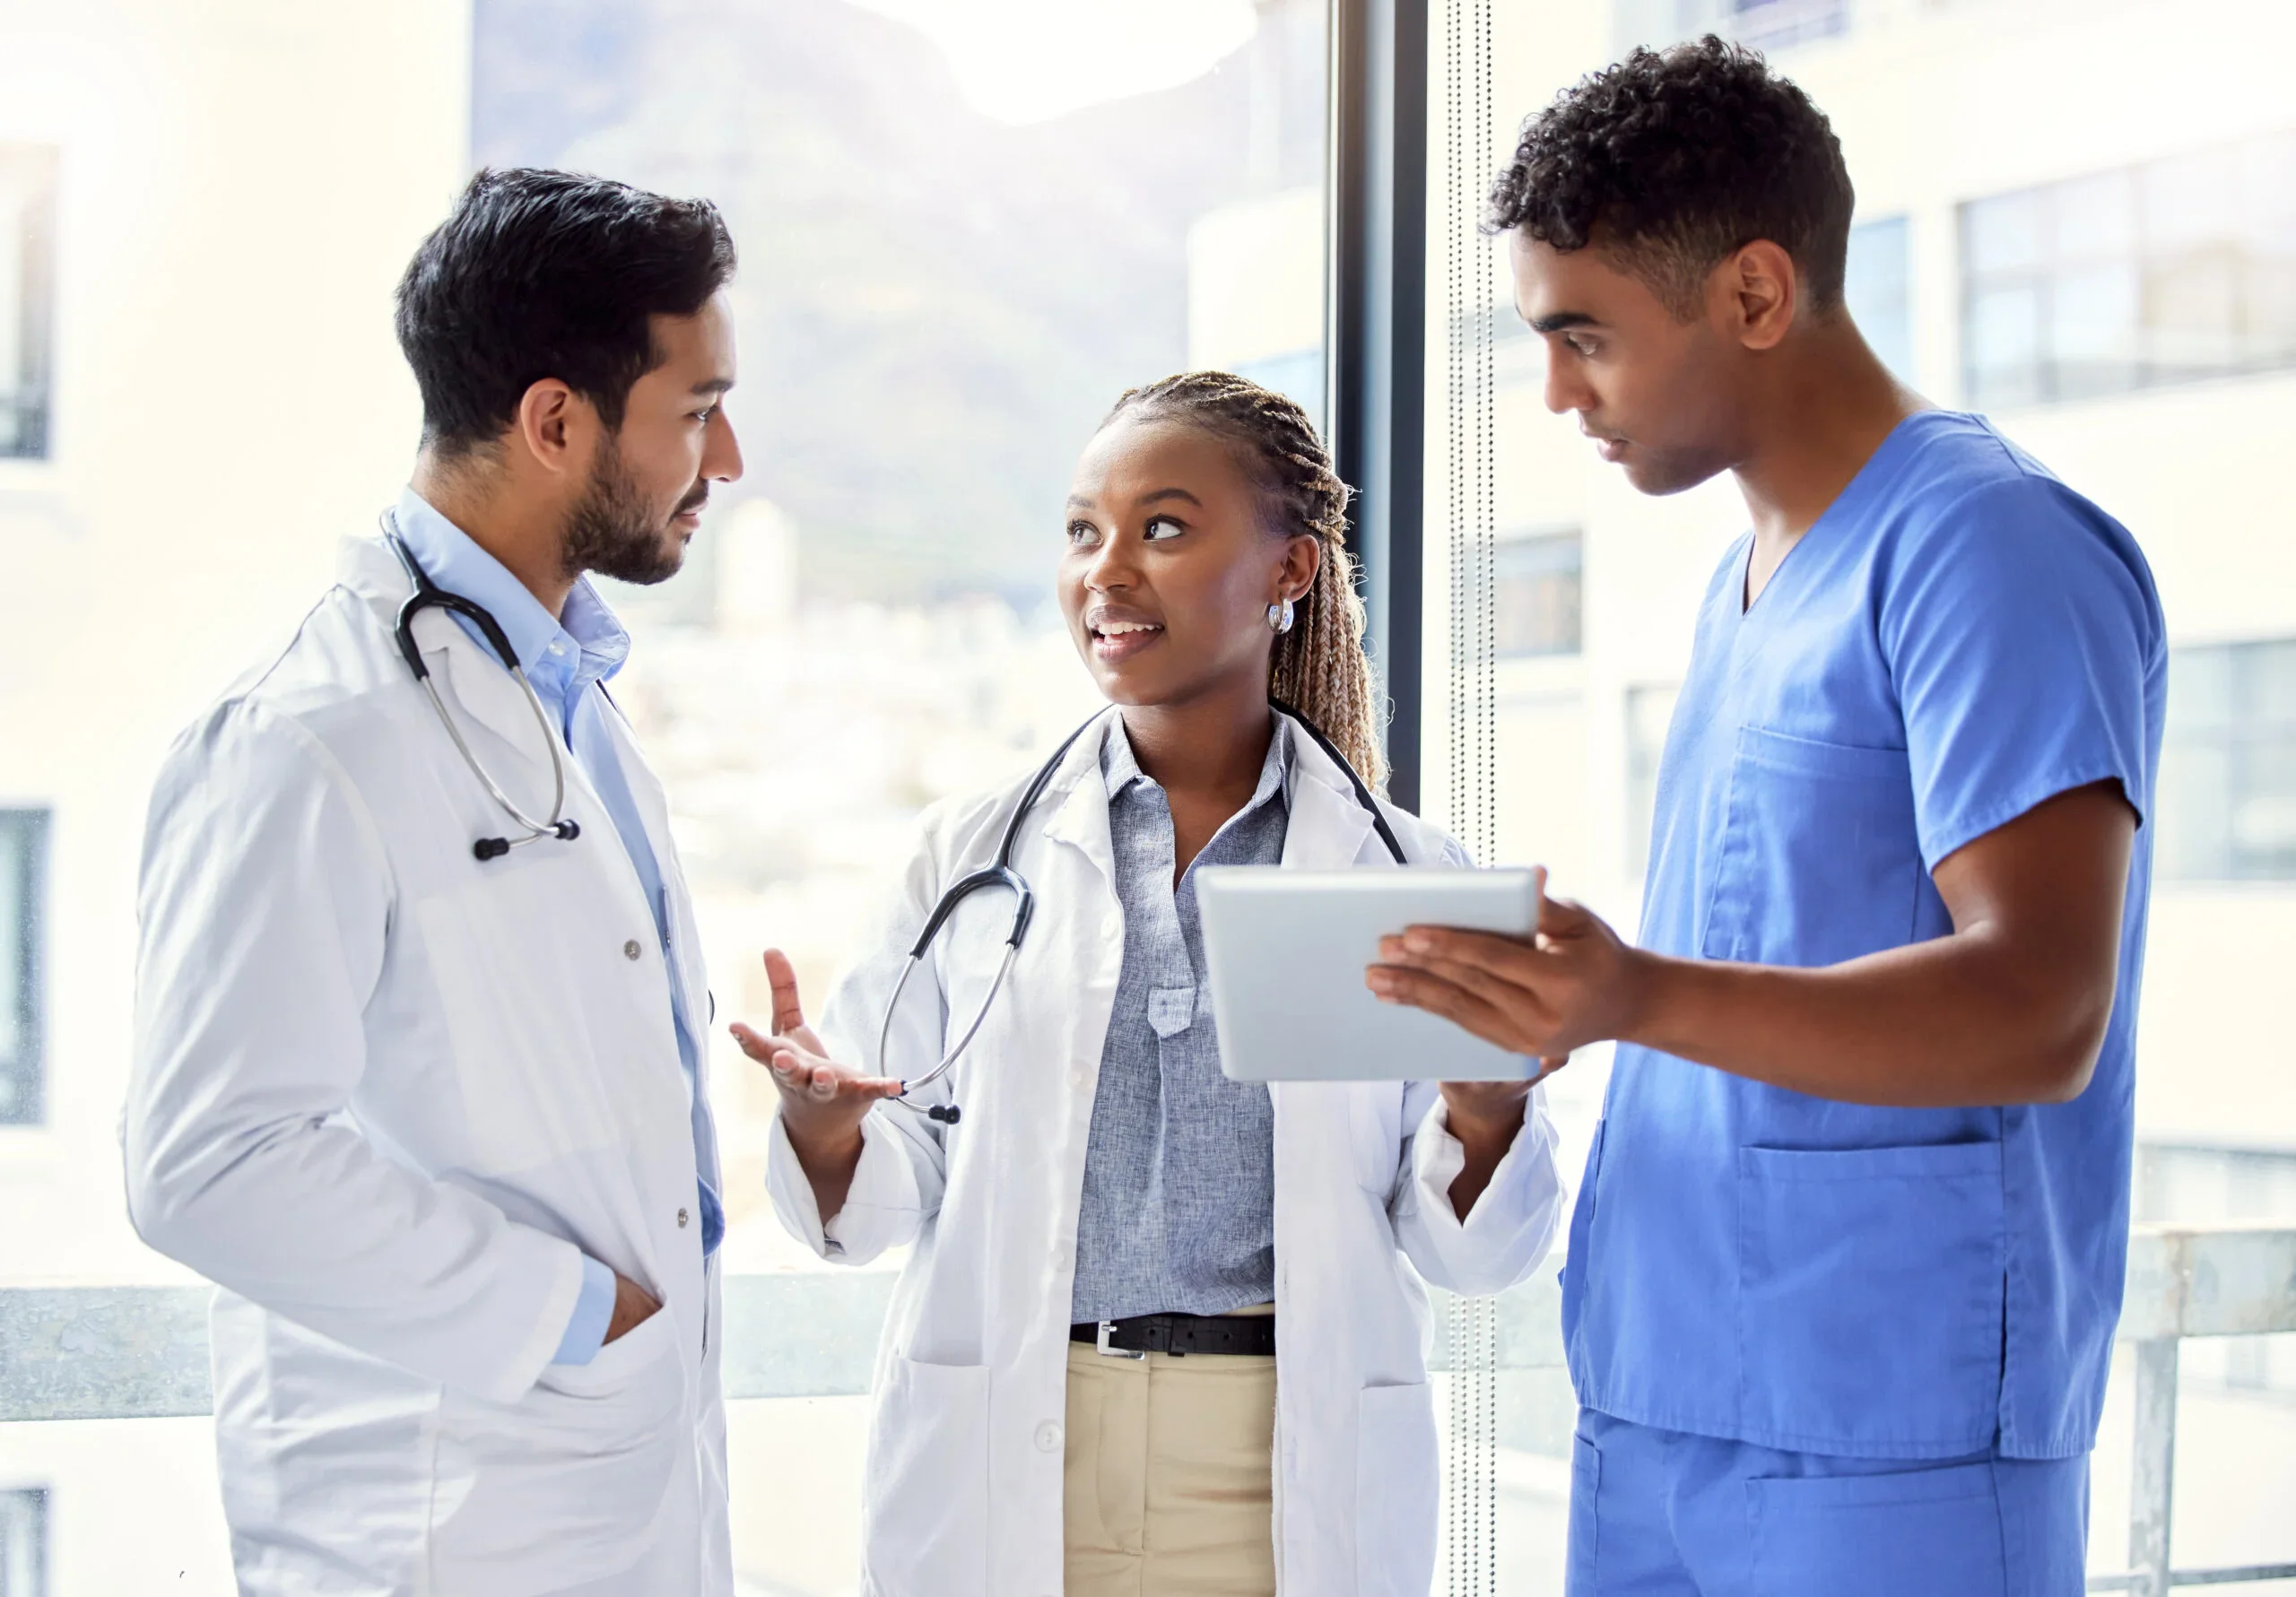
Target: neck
(525, 534)
(1827, 407)
(1206, 747)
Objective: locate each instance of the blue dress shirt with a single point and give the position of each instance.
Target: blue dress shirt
(563, 658)
(1178, 1213)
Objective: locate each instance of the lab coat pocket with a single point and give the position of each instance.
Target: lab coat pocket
(1907, 1533)
(564, 1485)
(1819, 861)
(1871, 1295)
(1397, 1491)
(927, 1530)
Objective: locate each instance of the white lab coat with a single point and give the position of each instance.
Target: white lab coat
(387, 1097)
(963, 1485)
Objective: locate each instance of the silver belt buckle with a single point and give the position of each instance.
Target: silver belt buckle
(1108, 1330)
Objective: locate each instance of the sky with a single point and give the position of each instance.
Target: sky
(1031, 60)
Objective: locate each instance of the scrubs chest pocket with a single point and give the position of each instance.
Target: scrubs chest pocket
(1870, 1291)
(1818, 860)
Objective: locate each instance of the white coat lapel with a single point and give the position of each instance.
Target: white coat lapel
(1078, 804)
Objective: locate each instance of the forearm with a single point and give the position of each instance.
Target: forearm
(830, 1160)
(1945, 1023)
(1485, 1134)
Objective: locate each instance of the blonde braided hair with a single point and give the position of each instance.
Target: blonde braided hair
(1320, 667)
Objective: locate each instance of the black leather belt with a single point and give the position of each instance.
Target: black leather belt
(1252, 1335)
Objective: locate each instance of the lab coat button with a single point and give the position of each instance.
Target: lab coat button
(682, 1217)
(1048, 1438)
(632, 949)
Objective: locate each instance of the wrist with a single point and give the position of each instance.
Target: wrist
(1647, 989)
(823, 1146)
(1491, 1117)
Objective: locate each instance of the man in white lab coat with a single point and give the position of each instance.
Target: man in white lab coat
(417, 1077)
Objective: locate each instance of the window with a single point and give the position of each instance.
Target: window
(1649, 711)
(2227, 770)
(2166, 272)
(23, 1543)
(23, 873)
(1763, 24)
(27, 297)
(1774, 24)
(1879, 289)
(1539, 593)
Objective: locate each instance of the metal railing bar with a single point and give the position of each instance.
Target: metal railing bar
(140, 1352)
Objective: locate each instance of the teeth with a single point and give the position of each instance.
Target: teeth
(1119, 629)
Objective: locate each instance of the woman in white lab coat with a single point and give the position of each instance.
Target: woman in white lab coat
(1103, 1174)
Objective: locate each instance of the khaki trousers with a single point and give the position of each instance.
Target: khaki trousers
(1169, 1489)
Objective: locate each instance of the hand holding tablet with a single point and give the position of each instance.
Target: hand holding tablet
(1287, 951)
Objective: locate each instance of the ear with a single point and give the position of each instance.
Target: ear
(553, 423)
(1762, 291)
(1303, 557)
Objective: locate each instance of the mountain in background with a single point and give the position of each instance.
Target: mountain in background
(936, 309)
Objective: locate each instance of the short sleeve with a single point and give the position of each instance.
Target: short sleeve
(2024, 643)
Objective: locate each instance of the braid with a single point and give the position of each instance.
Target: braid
(1320, 667)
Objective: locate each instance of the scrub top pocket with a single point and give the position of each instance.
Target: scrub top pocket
(1818, 862)
(1870, 1295)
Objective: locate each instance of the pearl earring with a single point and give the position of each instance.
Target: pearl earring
(1279, 616)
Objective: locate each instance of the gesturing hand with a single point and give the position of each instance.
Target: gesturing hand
(1572, 982)
(822, 1103)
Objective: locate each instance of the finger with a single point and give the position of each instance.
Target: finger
(788, 1012)
(1564, 918)
(819, 1078)
(1491, 951)
(1418, 990)
(760, 1048)
(1501, 989)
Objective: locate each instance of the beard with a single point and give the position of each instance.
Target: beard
(614, 533)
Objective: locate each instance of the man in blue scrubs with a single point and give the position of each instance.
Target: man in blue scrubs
(1846, 1264)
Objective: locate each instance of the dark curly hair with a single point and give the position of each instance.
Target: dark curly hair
(1679, 158)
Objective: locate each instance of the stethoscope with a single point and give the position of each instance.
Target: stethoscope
(1002, 874)
(428, 595)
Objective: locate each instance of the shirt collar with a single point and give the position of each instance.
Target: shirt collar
(1120, 768)
(588, 634)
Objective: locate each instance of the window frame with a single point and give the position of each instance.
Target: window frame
(30, 390)
(31, 829)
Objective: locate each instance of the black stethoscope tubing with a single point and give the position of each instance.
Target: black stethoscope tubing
(1001, 874)
(428, 595)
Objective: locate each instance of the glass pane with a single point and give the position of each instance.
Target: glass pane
(2192, 201)
(2266, 211)
(2002, 344)
(1649, 714)
(2092, 330)
(1538, 596)
(2093, 219)
(2192, 314)
(2002, 233)
(1878, 290)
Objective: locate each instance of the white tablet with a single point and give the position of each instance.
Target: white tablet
(1287, 950)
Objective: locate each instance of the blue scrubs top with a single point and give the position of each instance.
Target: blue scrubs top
(1958, 638)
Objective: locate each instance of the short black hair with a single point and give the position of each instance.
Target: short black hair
(1681, 158)
(540, 274)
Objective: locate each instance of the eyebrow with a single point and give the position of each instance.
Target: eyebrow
(712, 386)
(1162, 494)
(1562, 321)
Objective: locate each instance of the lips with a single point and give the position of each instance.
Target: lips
(1118, 635)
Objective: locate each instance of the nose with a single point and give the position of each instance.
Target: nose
(1566, 390)
(1110, 568)
(721, 451)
